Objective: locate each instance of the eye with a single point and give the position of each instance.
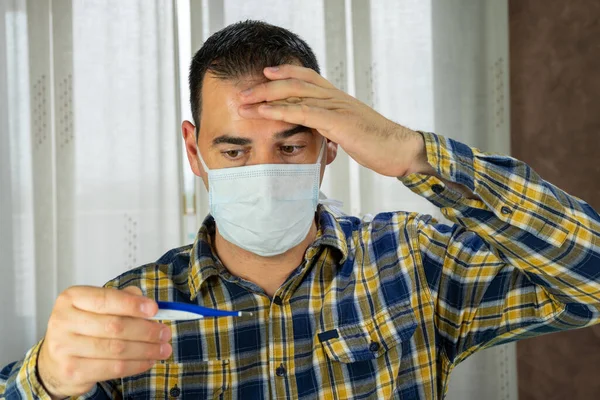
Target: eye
(233, 154)
(290, 150)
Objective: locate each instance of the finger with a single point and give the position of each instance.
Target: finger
(117, 327)
(287, 71)
(110, 301)
(280, 90)
(115, 349)
(92, 371)
(251, 111)
(133, 290)
(311, 117)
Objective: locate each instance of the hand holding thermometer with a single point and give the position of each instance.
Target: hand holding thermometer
(173, 311)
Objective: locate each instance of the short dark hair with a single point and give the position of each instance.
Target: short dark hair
(245, 49)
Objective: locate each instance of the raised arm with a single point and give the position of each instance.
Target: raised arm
(523, 258)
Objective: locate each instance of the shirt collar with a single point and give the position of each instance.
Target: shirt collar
(205, 264)
(330, 232)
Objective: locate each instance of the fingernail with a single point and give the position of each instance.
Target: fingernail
(146, 308)
(165, 334)
(273, 69)
(165, 350)
(246, 92)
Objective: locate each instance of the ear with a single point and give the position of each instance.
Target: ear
(331, 150)
(189, 137)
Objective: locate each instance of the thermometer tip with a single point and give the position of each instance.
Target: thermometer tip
(245, 314)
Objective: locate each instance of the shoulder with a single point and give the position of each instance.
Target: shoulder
(381, 234)
(169, 272)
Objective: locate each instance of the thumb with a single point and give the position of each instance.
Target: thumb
(133, 290)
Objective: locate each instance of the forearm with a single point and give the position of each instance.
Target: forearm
(21, 380)
(536, 227)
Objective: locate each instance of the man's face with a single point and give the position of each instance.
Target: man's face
(228, 140)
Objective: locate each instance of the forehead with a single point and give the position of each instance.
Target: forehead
(220, 104)
(221, 96)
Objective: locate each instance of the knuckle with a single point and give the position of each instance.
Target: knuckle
(56, 348)
(304, 110)
(54, 323)
(116, 347)
(69, 368)
(115, 326)
(64, 298)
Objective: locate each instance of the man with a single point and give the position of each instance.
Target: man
(342, 308)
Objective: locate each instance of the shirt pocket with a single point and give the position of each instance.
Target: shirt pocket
(365, 358)
(190, 380)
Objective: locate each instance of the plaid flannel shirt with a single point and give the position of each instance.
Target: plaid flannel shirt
(379, 309)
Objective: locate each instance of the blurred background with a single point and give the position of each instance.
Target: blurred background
(93, 179)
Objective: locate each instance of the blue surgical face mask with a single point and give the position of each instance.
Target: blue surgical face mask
(267, 208)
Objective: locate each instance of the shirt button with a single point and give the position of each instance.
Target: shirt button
(175, 391)
(505, 210)
(374, 346)
(280, 371)
(277, 300)
(437, 189)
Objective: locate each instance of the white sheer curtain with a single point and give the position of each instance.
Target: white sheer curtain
(17, 268)
(89, 150)
(92, 180)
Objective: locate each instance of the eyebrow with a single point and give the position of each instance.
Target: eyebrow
(242, 141)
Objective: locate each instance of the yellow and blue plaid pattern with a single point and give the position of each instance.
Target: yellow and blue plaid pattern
(377, 310)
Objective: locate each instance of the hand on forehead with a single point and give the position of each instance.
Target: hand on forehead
(220, 111)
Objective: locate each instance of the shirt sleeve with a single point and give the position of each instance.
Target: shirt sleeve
(19, 380)
(521, 260)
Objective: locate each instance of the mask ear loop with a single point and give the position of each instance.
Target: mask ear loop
(323, 146)
(322, 198)
(202, 160)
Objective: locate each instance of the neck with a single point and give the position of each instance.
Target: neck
(267, 272)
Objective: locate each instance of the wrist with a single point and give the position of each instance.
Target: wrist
(43, 379)
(420, 163)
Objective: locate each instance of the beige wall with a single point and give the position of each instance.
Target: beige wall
(555, 128)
